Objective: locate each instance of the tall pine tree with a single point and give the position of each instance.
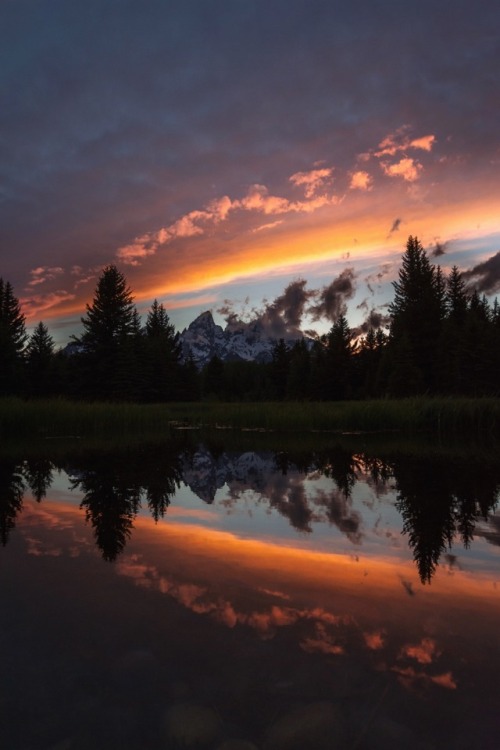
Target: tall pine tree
(417, 312)
(12, 340)
(111, 328)
(161, 359)
(40, 362)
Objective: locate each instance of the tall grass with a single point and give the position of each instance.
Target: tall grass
(63, 419)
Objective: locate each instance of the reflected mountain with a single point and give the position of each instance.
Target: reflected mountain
(441, 500)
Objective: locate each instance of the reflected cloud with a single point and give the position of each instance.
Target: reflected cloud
(201, 600)
(412, 679)
(376, 640)
(424, 652)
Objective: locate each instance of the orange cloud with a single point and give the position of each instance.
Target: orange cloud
(425, 143)
(40, 303)
(258, 199)
(270, 225)
(361, 181)
(313, 180)
(400, 141)
(408, 169)
(44, 273)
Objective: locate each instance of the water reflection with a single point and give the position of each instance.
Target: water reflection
(440, 500)
(261, 597)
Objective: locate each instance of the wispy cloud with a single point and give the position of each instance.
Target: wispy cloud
(37, 304)
(332, 298)
(269, 225)
(400, 141)
(258, 199)
(41, 274)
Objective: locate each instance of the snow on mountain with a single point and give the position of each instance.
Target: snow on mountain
(204, 473)
(204, 339)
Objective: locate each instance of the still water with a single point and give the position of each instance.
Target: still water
(210, 595)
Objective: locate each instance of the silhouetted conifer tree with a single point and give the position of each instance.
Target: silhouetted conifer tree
(279, 369)
(110, 334)
(339, 360)
(161, 357)
(213, 378)
(41, 363)
(298, 381)
(12, 341)
(416, 313)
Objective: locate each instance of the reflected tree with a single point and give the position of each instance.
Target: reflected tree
(341, 465)
(440, 500)
(11, 496)
(115, 484)
(163, 479)
(38, 474)
(111, 503)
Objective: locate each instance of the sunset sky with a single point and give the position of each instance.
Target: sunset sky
(238, 155)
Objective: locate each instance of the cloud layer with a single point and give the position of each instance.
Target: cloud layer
(196, 147)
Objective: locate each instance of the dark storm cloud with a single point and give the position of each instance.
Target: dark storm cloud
(281, 318)
(376, 278)
(373, 321)
(339, 513)
(332, 299)
(285, 313)
(485, 277)
(439, 249)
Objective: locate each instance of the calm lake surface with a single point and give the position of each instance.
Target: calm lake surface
(232, 595)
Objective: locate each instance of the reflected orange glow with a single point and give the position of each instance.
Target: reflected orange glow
(330, 604)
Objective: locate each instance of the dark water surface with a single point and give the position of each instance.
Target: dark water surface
(280, 597)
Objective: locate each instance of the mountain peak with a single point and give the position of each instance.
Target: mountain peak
(204, 320)
(240, 341)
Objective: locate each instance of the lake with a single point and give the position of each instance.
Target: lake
(237, 592)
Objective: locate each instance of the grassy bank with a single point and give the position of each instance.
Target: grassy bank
(66, 420)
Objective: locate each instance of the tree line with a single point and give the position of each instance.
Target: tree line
(443, 339)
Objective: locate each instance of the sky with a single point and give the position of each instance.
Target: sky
(245, 157)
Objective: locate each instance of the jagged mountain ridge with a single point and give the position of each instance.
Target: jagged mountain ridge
(204, 339)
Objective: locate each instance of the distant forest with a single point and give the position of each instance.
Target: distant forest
(443, 339)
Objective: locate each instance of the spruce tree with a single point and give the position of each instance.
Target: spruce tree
(416, 314)
(451, 350)
(161, 360)
(111, 328)
(40, 362)
(12, 340)
(111, 316)
(339, 356)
